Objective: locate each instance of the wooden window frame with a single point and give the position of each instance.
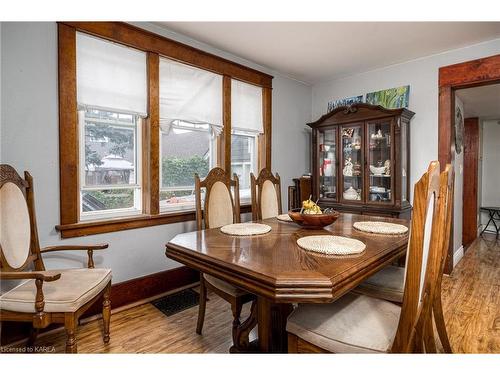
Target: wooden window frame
(155, 46)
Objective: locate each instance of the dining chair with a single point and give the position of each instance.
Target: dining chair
(219, 209)
(364, 324)
(59, 296)
(266, 195)
(388, 283)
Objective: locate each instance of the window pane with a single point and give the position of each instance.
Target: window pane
(98, 200)
(243, 160)
(110, 156)
(185, 150)
(109, 177)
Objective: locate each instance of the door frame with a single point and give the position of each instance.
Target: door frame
(480, 72)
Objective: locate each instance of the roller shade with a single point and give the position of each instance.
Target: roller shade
(110, 76)
(189, 94)
(246, 107)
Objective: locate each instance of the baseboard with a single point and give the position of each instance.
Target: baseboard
(458, 255)
(127, 293)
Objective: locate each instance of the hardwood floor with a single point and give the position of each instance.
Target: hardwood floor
(471, 299)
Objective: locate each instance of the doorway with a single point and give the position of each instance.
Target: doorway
(481, 157)
(475, 73)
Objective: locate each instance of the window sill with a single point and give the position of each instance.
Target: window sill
(87, 228)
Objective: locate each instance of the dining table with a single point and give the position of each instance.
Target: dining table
(281, 274)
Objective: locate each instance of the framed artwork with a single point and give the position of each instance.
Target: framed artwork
(397, 97)
(459, 129)
(344, 102)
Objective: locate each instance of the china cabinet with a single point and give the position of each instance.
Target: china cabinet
(361, 160)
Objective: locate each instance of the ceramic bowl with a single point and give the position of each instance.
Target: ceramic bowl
(313, 221)
(377, 170)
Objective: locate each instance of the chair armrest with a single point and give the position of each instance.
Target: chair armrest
(39, 280)
(48, 249)
(45, 276)
(90, 250)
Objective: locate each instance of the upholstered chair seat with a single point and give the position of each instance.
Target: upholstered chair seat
(225, 287)
(352, 324)
(73, 290)
(387, 284)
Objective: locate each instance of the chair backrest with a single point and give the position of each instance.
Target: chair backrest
(266, 195)
(424, 248)
(219, 208)
(19, 245)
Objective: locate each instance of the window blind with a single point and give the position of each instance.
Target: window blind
(246, 107)
(110, 76)
(189, 94)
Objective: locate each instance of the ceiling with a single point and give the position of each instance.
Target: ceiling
(316, 51)
(483, 101)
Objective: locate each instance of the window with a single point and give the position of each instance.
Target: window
(111, 95)
(139, 115)
(186, 149)
(247, 124)
(110, 182)
(190, 121)
(244, 160)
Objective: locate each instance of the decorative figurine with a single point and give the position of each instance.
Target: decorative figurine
(387, 166)
(348, 168)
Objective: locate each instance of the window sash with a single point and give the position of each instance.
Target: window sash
(137, 187)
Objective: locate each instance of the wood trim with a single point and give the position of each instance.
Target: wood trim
(267, 97)
(68, 126)
(147, 41)
(135, 222)
(122, 294)
(226, 113)
(151, 139)
(472, 73)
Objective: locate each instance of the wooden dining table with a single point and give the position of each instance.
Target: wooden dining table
(280, 273)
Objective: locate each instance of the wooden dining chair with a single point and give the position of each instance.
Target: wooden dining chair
(219, 209)
(59, 296)
(389, 282)
(266, 195)
(360, 323)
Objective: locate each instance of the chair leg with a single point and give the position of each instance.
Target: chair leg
(202, 305)
(437, 309)
(70, 324)
(236, 309)
(106, 313)
(32, 338)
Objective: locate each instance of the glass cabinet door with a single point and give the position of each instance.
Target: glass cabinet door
(380, 161)
(327, 143)
(352, 161)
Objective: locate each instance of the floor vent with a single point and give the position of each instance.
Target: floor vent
(174, 303)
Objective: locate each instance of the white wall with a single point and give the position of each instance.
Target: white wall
(422, 76)
(490, 170)
(29, 141)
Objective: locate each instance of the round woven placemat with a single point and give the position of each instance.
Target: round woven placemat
(245, 229)
(331, 245)
(380, 227)
(284, 217)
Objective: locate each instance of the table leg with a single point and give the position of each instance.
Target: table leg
(491, 215)
(272, 325)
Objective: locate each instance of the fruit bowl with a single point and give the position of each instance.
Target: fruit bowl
(313, 221)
